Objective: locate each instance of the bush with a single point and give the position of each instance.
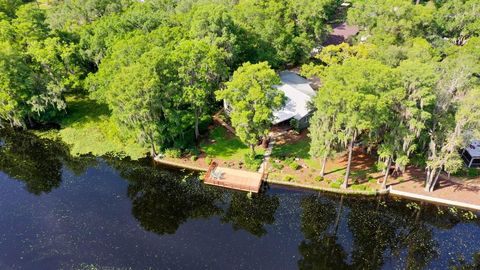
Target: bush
(173, 153)
(294, 166)
(193, 158)
(208, 160)
(252, 163)
(288, 178)
(359, 187)
(318, 178)
(335, 184)
(277, 166)
(295, 124)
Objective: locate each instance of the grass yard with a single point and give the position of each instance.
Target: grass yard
(88, 128)
(223, 145)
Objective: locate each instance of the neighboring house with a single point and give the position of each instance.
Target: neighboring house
(299, 95)
(341, 33)
(471, 154)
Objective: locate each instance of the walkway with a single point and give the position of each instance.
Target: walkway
(447, 191)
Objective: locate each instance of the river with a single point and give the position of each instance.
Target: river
(60, 212)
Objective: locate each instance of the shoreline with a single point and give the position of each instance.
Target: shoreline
(388, 191)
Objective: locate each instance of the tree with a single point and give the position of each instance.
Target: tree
(458, 20)
(253, 98)
(358, 87)
(392, 22)
(324, 128)
(200, 68)
(410, 113)
(450, 123)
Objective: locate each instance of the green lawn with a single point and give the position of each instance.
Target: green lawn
(297, 149)
(88, 128)
(226, 146)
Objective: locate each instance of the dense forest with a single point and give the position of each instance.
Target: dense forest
(407, 87)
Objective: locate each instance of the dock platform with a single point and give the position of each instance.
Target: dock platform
(234, 179)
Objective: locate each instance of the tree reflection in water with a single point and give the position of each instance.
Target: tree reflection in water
(36, 162)
(380, 229)
(251, 213)
(320, 249)
(162, 200)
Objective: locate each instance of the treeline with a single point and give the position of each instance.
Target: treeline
(156, 63)
(408, 89)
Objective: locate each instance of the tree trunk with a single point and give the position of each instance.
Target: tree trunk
(349, 164)
(387, 173)
(252, 150)
(153, 152)
(324, 165)
(434, 183)
(265, 142)
(432, 178)
(197, 131)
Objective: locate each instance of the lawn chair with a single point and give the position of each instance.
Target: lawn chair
(217, 174)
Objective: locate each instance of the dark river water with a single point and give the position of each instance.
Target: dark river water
(59, 212)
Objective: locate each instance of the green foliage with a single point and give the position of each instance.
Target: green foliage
(288, 178)
(361, 187)
(89, 128)
(221, 144)
(252, 96)
(173, 153)
(336, 184)
(318, 178)
(276, 165)
(208, 160)
(252, 163)
(294, 165)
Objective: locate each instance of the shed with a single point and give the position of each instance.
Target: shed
(471, 154)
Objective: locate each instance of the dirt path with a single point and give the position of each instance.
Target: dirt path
(413, 180)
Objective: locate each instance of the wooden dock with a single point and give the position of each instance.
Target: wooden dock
(234, 179)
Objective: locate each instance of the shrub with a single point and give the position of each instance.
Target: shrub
(193, 158)
(277, 166)
(335, 184)
(294, 166)
(288, 178)
(372, 180)
(252, 163)
(173, 153)
(208, 160)
(359, 187)
(295, 124)
(318, 178)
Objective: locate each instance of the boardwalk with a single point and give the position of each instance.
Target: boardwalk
(234, 179)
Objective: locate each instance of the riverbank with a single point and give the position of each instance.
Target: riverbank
(447, 193)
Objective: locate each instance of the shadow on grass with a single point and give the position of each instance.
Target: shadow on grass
(83, 110)
(297, 149)
(222, 144)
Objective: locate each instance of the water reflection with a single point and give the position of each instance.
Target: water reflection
(380, 229)
(318, 231)
(36, 162)
(320, 249)
(162, 200)
(251, 213)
